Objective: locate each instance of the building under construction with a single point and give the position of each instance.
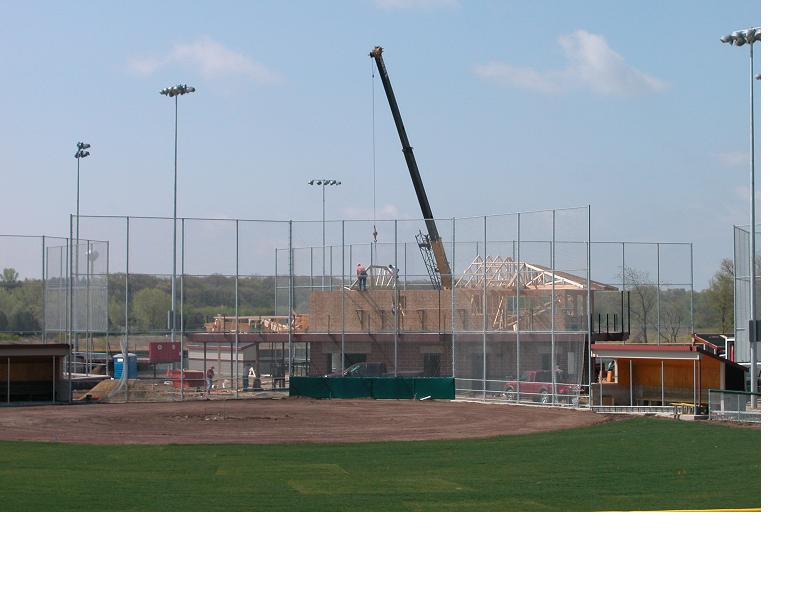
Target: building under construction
(495, 312)
(509, 317)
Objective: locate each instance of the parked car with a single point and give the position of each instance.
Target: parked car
(362, 369)
(539, 386)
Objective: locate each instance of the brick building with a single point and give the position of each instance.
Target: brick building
(473, 332)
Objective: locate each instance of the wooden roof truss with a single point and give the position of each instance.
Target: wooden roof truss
(503, 273)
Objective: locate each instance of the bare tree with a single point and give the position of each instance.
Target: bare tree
(671, 324)
(643, 295)
(675, 315)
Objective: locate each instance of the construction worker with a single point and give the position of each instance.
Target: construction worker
(209, 379)
(395, 273)
(361, 274)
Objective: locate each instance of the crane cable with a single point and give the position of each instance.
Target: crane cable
(374, 228)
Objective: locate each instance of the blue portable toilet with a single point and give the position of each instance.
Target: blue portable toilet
(133, 366)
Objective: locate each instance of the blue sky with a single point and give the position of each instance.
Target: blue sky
(635, 107)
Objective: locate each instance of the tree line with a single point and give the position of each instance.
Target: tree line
(149, 300)
(665, 315)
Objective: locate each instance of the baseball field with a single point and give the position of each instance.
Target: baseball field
(304, 455)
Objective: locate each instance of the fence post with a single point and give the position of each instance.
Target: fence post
(108, 317)
(44, 296)
(553, 398)
(236, 305)
(127, 294)
(630, 378)
(485, 307)
(601, 383)
(589, 303)
(88, 358)
(519, 264)
(62, 275)
(341, 345)
(291, 296)
(691, 294)
(396, 302)
(452, 301)
(69, 317)
(622, 316)
(183, 327)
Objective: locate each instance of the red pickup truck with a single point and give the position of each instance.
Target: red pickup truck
(538, 386)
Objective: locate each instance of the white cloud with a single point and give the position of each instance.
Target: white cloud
(209, 59)
(591, 64)
(732, 159)
(520, 77)
(412, 4)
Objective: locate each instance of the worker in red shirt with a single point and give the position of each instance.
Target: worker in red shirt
(209, 379)
(361, 274)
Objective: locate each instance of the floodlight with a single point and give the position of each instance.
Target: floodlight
(750, 36)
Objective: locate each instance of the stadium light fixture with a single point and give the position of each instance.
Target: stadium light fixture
(750, 36)
(324, 183)
(173, 92)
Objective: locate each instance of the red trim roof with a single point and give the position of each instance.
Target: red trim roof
(695, 348)
(647, 347)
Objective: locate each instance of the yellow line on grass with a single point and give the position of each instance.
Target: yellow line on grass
(709, 510)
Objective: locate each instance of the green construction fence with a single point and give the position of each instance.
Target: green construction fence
(439, 388)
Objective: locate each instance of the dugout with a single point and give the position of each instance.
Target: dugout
(33, 373)
(660, 374)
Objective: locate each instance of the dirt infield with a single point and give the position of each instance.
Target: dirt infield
(281, 421)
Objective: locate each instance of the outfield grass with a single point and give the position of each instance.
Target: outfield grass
(624, 465)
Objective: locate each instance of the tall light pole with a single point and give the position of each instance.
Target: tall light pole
(82, 152)
(174, 92)
(324, 183)
(740, 38)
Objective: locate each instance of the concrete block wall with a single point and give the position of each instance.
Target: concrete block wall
(431, 310)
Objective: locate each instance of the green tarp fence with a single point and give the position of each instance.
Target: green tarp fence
(439, 388)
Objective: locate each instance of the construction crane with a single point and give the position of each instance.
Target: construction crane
(432, 239)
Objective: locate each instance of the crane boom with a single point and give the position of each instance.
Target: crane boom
(433, 233)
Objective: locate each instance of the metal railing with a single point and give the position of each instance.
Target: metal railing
(622, 409)
(725, 405)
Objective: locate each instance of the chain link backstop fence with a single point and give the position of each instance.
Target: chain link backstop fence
(507, 305)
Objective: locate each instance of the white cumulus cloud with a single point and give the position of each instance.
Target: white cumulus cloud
(591, 64)
(210, 59)
(411, 4)
(733, 159)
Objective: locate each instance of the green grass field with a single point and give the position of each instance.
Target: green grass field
(638, 464)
